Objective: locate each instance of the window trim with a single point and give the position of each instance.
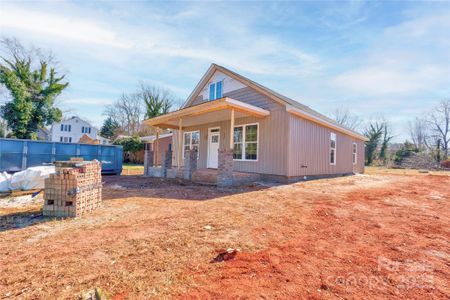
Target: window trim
(243, 142)
(354, 153)
(190, 142)
(332, 134)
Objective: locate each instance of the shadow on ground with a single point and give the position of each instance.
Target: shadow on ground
(116, 187)
(20, 220)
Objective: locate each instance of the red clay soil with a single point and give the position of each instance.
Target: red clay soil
(393, 243)
(371, 237)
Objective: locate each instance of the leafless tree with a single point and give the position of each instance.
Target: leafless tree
(439, 123)
(344, 117)
(128, 112)
(418, 131)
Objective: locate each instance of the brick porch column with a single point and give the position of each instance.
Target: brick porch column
(148, 160)
(190, 164)
(166, 162)
(225, 168)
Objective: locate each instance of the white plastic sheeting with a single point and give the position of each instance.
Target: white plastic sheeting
(29, 179)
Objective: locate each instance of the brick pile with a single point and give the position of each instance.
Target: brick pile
(74, 189)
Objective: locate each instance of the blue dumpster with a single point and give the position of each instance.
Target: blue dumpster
(17, 155)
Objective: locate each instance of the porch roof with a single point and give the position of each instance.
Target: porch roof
(208, 112)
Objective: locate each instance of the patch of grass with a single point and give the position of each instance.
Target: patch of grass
(390, 171)
(132, 167)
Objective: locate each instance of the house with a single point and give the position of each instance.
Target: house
(158, 145)
(234, 125)
(43, 134)
(72, 130)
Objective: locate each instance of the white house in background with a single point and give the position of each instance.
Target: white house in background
(72, 129)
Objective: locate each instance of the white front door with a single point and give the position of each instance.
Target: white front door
(213, 147)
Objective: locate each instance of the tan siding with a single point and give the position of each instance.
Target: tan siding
(197, 100)
(309, 146)
(272, 143)
(247, 95)
(250, 96)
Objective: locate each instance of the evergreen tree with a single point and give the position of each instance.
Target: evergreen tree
(373, 133)
(109, 128)
(33, 91)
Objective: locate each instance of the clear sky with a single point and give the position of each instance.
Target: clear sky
(381, 58)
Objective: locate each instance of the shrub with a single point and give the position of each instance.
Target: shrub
(130, 144)
(446, 164)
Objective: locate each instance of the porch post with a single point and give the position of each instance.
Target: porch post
(225, 169)
(180, 142)
(232, 129)
(156, 143)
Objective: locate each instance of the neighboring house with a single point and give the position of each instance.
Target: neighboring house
(158, 145)
(71, 130)
(272, 135)
(43, 134)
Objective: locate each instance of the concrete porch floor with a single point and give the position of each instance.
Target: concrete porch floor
(209, 176)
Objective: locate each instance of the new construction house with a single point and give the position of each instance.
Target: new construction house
(233, 129)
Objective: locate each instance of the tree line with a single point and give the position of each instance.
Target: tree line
(429, 136)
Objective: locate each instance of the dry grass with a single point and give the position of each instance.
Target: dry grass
(408, 172)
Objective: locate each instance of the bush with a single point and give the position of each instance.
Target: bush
(130, 144)
(131, 147)
(446, 164)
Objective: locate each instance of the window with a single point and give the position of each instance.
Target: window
(60, 138)
(332, 148)
(212, 91)
(215, 90)
(70, 128)
(70, 140)
(62, 127)
(219, 90)
(245, 139)
(355, 153)
(191, 142)
(89, 130)
(82, 129)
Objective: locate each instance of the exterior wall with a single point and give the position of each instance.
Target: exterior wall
(229, 85)
(272, 137)
(309, 145)
(163, 147)
(75, 132)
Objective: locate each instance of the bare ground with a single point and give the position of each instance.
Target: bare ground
(367, 236)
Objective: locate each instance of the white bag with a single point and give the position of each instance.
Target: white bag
(31, 178)
(5, 180)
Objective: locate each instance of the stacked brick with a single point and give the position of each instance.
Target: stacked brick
(74, 189)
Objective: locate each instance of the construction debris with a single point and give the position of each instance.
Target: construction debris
(74, 189)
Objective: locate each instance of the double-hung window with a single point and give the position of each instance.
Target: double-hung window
(215, 90)
(245, 139)
(332, 148)
(191, 142)
(355, 153)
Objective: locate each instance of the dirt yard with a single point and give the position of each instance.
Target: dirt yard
(365, 236)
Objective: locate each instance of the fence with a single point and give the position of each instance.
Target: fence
(17, 155)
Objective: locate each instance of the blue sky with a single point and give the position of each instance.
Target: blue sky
(389, 59)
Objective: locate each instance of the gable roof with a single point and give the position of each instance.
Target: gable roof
(268, 92)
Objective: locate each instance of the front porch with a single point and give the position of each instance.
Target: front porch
(204, 142)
